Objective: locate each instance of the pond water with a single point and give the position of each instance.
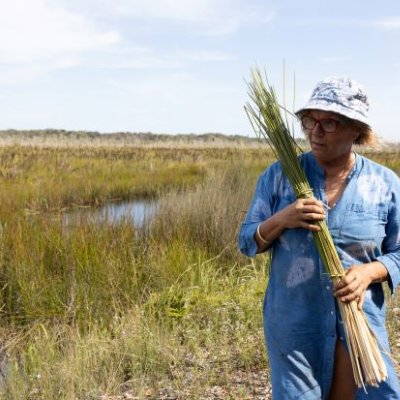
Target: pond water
(137, 211)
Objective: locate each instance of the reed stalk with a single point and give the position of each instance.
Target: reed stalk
(265, 116)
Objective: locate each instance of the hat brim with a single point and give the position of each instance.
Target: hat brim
(335, 108)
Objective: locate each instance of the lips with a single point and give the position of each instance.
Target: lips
(317, 145)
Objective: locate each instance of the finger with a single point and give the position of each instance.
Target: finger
(351, 276)
(311, 227)
(361, 300)
(344, 287)
(345, 280)
(312, 200)
(349, 297)
(347, 290)
(355, 294)
(314, 228)
(318, 206)
(312, 210)
(300, 205)
(314, 217)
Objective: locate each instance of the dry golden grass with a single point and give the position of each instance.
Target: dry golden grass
(106, 311)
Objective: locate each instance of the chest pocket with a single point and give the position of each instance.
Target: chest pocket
(364, 222)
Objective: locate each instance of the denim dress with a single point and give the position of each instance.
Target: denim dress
(300, 314)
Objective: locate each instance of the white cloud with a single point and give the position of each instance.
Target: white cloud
(38, 36)
(172, 88)
(135, 61)
(11, 74)
(214, 17)
(33, 31)
(145, 58)
(389, 23)
(207, 55)
(333, 59)
(175, 99)
(193, 10)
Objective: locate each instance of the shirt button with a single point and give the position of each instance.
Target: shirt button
(332, 312)
(328, 287)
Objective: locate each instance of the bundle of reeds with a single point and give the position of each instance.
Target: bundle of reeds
(265, 116)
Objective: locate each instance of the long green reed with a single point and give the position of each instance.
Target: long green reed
(265, 115)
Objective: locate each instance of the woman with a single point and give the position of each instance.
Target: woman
(360, 201)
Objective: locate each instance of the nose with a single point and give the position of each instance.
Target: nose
(317, 130)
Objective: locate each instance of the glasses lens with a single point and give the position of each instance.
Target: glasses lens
(329, 124)
(308, 122)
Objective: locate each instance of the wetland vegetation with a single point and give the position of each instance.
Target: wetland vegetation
(97, 309)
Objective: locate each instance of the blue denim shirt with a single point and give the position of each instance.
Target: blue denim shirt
(300, 313)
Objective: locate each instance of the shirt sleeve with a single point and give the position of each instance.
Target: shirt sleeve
(391, 245)
(260, 209)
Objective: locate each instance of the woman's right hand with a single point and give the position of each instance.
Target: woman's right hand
(302, 213)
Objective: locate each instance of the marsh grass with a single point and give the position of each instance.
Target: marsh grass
(98, 309)
(188, 350)
(38, 179)
(101, 308)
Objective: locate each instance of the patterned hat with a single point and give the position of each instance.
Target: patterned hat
(340, 95)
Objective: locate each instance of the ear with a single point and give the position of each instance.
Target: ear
(356, 133)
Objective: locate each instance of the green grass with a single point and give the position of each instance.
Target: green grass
(109, 308)
(38, 179)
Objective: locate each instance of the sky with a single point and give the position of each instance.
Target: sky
(181, 66)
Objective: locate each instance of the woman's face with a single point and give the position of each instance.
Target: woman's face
(333, 142)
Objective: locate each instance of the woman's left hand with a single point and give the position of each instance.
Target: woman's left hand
(353, 285)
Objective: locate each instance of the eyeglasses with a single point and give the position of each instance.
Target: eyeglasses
(328, 125)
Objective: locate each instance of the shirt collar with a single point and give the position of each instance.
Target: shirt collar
(320, 171)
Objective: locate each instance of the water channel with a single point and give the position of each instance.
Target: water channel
(139, 212)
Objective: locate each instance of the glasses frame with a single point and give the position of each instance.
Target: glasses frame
(321, 121)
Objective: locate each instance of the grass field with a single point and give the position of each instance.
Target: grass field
(102, 311)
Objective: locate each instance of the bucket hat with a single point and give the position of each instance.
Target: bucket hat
(343, 96)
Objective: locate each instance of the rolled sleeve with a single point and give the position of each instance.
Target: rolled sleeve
(247, 243)
(391, 263)
(390, 257)
(260, 209)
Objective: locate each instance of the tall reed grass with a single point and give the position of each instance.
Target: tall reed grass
(96, 309)
(105, 308)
